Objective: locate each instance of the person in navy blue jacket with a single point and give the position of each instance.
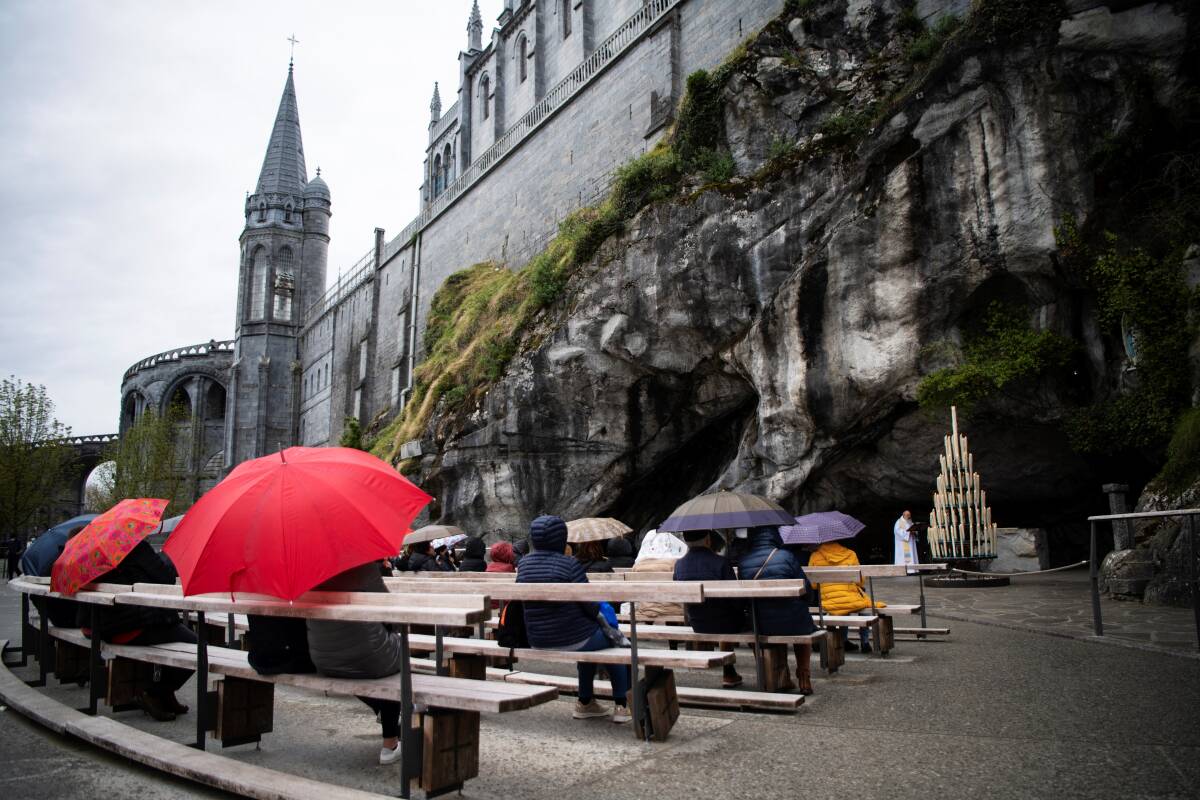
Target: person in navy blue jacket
(568, 626)
(767, 559)
(701, 563)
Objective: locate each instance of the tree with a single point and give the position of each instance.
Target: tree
(352, 434)
(33, 457)
(150, 460)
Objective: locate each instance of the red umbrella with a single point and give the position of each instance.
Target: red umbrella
(281, 524)
(104, 543)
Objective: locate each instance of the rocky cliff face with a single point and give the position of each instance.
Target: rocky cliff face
(769, 334)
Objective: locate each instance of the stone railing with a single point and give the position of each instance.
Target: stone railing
(83, 441)
(346, 284)
(612, 48)
(444, 123)
(192, 351)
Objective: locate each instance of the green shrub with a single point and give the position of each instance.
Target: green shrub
(1004, 351)
(928, 43)
(1182, 469)
(352, 434)
(700, 125)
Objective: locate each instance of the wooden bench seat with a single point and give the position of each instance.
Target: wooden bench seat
(665, 659)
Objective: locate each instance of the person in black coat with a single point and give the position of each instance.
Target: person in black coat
(129, 624)
(765, 558)
(700, 563)
(473, 552)
(591, 556)
(620, 553)
(421, 559)
(568, 626)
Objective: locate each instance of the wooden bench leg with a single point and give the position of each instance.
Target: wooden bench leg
(833, 651)
(885, 635)
(245, 711)
(662, 704)
(71, 662)
(471, 667)
(450, 750)
(775, 668)
(126, 680)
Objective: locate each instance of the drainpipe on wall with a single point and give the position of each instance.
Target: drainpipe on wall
(412, 320)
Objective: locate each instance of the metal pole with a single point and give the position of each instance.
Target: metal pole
(634, 675)
(875, 613)
(921, 583)
(201, 683)
(230, 632)
(1191, 534)
(1094, 568)
(25, 628)
(43, 645)
(95, 664)
(406, 713)
(757, 649)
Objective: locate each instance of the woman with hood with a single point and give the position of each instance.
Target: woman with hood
(766, 559)
(473, 556)
(841, 599)
(568, 626)
(503, 558)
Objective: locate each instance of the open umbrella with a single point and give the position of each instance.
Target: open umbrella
(281, 524)
(104, 543)
(431, 532)
(821, 527)
(595, 529)
(726, 510)
(40, 556)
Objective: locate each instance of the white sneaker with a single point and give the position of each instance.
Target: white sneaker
(591, 710)
(621, 715)
(389, 756)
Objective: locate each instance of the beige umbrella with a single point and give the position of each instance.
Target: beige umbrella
(431, 532)
(595, 529)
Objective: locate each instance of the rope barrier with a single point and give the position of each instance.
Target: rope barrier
(1017, 574)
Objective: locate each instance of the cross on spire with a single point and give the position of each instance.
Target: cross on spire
(292, 55)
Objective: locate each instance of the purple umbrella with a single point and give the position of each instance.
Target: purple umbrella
(824, 526)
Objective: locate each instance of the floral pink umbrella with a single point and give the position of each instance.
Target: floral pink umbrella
(105, 542)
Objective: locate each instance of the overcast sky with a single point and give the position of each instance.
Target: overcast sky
(130, 132)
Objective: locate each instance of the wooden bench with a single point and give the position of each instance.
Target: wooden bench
(440, 751)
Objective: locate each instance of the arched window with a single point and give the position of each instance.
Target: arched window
(566, 18)
(262, 211)
(485, 89)
(523, 58)
(285, 260)
(447, 165)
(258, 283)
(287, 213)
(437, 175)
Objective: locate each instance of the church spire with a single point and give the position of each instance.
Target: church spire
(475, 29)
(435, 105)
(283, 170)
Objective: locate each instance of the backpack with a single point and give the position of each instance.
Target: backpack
(511, 632)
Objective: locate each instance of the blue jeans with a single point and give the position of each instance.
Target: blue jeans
(618, 674)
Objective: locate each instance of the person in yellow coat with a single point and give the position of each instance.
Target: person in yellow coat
(842, 599)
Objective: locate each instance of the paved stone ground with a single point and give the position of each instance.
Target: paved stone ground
(1059, 604)
(992, 712)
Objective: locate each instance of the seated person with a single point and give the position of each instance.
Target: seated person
(129, 624)
(619, 552)
(590, 556)
(503, 558)
(712, 616)
(39, 560)
(568, 626)
(658, 553)
(843, 599)
(766, 559)
(360, 650)
(473, 556)
(279, 645)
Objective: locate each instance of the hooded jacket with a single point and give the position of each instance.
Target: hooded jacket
(354, 649)
(711, 616)
(473, 556)
(619, 552)
(840, 599)
(503, 559)
(555, 625)
(775, 617)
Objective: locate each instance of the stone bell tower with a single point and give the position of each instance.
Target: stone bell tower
(284, 249)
